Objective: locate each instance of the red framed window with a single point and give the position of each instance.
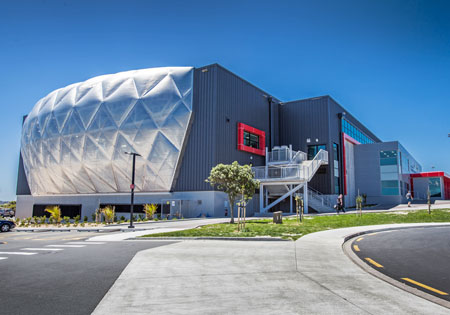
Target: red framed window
(251, 139)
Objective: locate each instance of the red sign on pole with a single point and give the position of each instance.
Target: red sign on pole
(131, 186)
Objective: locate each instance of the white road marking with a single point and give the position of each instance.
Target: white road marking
(1, 258)
(86, 243)
(16, 253)
(37, 248)
(75, 246)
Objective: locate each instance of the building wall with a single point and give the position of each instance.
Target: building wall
(303, 119)
(238, 101)
(221, 101)
(22, 183)
(317, 118)
(368, 176)
(367, 167)
(199, 156)
(335, 136)
(193, 204)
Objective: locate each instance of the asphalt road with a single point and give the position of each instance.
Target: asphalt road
(71, 280)
(418, 257)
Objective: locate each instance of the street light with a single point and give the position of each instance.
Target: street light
(134, 154)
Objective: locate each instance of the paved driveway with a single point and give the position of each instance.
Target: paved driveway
(310, 276)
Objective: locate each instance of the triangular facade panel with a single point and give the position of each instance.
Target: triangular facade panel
(74, 140)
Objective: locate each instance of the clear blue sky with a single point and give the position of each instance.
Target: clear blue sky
(387, 62)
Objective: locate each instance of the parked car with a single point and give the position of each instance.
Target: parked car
(6, 225)
(5, 212)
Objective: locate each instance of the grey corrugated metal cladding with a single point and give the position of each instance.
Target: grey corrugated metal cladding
(221, 101)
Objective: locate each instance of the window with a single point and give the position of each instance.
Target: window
(314, 149)
(336, 168)
(354, 132)
(388, 157)
(251, 140)
(389, 187)
(434, 185)
(389, 173)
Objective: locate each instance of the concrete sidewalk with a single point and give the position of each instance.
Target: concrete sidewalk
(310, 276)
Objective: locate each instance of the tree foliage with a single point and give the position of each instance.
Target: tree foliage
(109, 212)
(235, 180)
(150, 210)
(55, 213)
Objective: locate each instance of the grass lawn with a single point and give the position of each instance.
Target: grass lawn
(291, 230)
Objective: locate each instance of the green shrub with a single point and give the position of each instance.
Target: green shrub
(55, 213)
(109, 213)
(150, 210)
(85, 219)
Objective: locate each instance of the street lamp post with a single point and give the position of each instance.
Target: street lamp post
(134, 154)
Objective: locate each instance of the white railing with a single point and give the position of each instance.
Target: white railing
(300, 172)
(285, 154)
(298, 157)
(324, 199)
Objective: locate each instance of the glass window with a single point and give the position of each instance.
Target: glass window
(355, 132)
(388, 161)
(251, 140)
(389, 187)
(388, 154)
(434, 184)
(389, 172)
(314, 149)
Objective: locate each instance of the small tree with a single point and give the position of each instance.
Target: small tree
(55, 213)
(359, 200)
(98, 215)
(150, 210)
(234, 180)
(109, 213)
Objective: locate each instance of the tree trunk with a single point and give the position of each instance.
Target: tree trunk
(231, 201)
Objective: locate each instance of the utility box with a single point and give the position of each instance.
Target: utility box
(278, 217)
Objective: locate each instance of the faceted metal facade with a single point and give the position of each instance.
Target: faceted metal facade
(74, 139)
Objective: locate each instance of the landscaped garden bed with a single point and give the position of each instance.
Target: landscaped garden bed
(291, 229)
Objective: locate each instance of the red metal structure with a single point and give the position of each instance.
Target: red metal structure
(446, 180)
(261, 150)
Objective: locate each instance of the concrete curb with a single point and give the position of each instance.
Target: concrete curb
(258, 239)
(67, 230)
(346, 247)
(435, 224)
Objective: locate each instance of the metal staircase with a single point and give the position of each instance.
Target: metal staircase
(285, 173)
(321, 202)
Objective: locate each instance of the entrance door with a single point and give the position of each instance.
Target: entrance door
(350, 174)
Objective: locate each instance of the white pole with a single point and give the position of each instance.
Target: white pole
(305, 197)
(290, 200)
(261, 198)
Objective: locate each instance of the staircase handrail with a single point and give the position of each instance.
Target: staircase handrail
(325, 199)
(320, 158)
(300, 171)
(298, 154)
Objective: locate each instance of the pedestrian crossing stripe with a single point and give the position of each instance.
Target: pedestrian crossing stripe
(37, 248)
(16, 253)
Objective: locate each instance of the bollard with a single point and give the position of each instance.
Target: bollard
(278, 217)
